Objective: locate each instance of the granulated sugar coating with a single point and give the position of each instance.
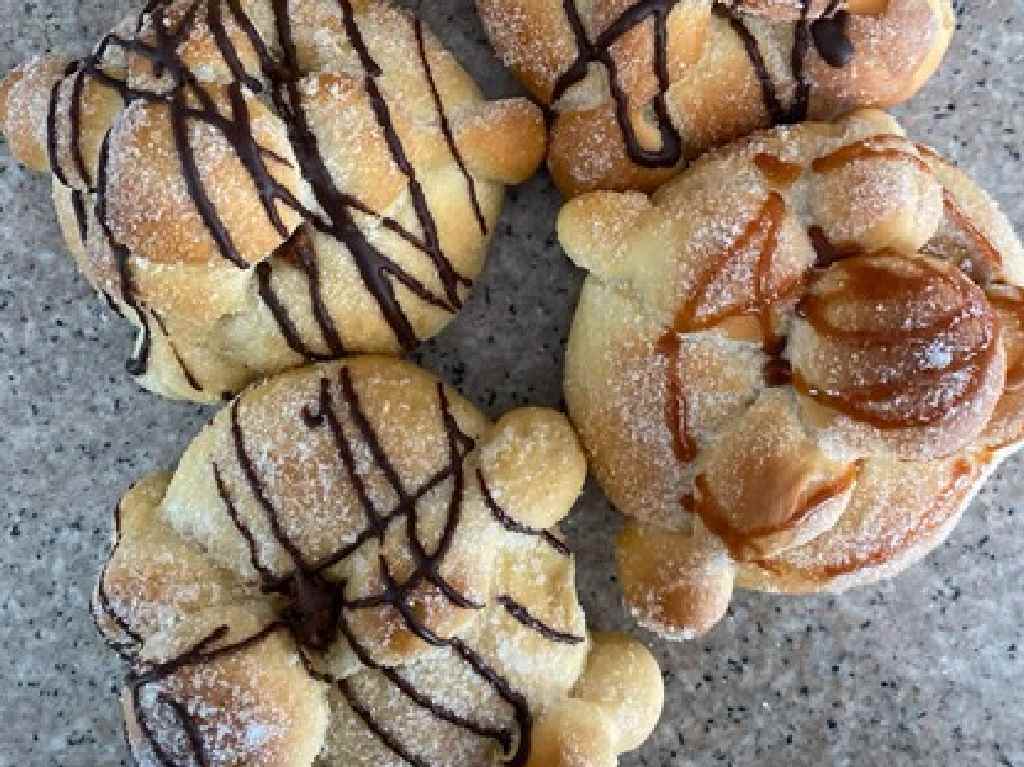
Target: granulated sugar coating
(257, 185)
(919, 669)
(637, 89)
(774, 385)
(420, 607)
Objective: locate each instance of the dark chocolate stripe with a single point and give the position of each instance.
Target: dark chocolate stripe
(446, 128)
(81, 216)
(138, 363)
(505, 520)
(102, 604)
(154, 673)
(798, 60)
(51, 126)
(373, 726)
(259, 492)
(75, 137)
(521, 614)
(443, 713)
(382, 111)
(185, 369)
(243, 529)
(283, 320)
(771, 99)
(671, 150)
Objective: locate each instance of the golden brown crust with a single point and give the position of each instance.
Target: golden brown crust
(805, 352)
(331, 192)
(347, 565)
(723, 71)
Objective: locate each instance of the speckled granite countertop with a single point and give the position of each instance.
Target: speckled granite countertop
(921, 670)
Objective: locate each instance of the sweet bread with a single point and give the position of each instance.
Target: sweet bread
(351, 566)
(793, 365)
(636, 88)
(259, 183)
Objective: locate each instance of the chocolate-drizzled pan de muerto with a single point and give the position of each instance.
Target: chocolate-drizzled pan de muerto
(259, 183)
(351, 566)
(794, 365)
(636, 88)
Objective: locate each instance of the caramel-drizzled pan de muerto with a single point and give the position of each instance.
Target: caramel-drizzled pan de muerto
(794, 365)
(260, 183)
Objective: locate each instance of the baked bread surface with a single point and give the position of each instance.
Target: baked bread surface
(637, 88)
(794, 365)
(261, 183)
(351, 566)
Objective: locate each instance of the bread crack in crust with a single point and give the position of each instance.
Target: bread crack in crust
(259, 183)
(794, 365)
(637, 88)
(351, 566)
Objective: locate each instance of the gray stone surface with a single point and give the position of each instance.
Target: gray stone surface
(924, 669)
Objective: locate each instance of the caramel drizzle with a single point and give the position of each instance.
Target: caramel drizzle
(887, 549)
(778, 171)
(763, 230)
(764, 226)
(676, 417)
(188, 102)
(320, 610)
(990, 255)
(716, 521)
(869, 149)
(874, 284)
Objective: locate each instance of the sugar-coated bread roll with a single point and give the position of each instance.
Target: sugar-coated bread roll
(331, 577)
(793, 365)
(636, 88)
(255, 184)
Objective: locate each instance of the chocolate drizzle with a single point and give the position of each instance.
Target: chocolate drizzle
(189, 102)
(600, 51)
(81, 215)
(829, 37)
(103, 607)
(137, 363)
(186, 371)
(446, 128)
(199, 654)
(521, 614)
(505, 520)
(318, 612)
